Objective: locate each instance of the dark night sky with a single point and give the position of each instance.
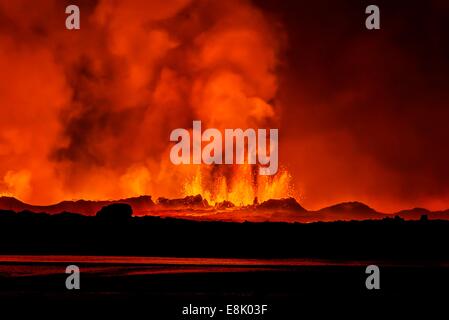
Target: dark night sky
(366, 112)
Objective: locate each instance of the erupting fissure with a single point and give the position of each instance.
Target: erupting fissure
(242, 187)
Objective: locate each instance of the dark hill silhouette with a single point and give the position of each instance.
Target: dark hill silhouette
(348, 211)
(287, 209)
(414, 213)
(287, 204)
(10, 203)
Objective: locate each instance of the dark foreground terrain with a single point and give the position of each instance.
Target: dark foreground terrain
(296, 269)
(289, 292)
(114, 231)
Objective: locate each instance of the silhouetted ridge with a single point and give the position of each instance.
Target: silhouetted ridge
(140, 205)
(288, 204)
(349, 211)
(353, 206)
(414, 213)
(10, 203)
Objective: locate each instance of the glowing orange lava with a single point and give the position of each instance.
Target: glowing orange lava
(241, 188)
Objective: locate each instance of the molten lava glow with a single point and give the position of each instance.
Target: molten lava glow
(241, 188)
(87, 114)
(116, 88)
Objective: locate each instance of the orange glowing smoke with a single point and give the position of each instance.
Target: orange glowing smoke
(87, 114)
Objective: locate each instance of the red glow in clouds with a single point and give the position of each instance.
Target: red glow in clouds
(362, 115)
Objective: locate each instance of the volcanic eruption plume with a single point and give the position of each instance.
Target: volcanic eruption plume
(91, 111)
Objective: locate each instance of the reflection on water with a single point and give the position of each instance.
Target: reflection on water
(171, 261)
(29, 265)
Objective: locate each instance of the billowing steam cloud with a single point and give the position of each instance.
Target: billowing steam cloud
(87, 114)
(362, 115)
